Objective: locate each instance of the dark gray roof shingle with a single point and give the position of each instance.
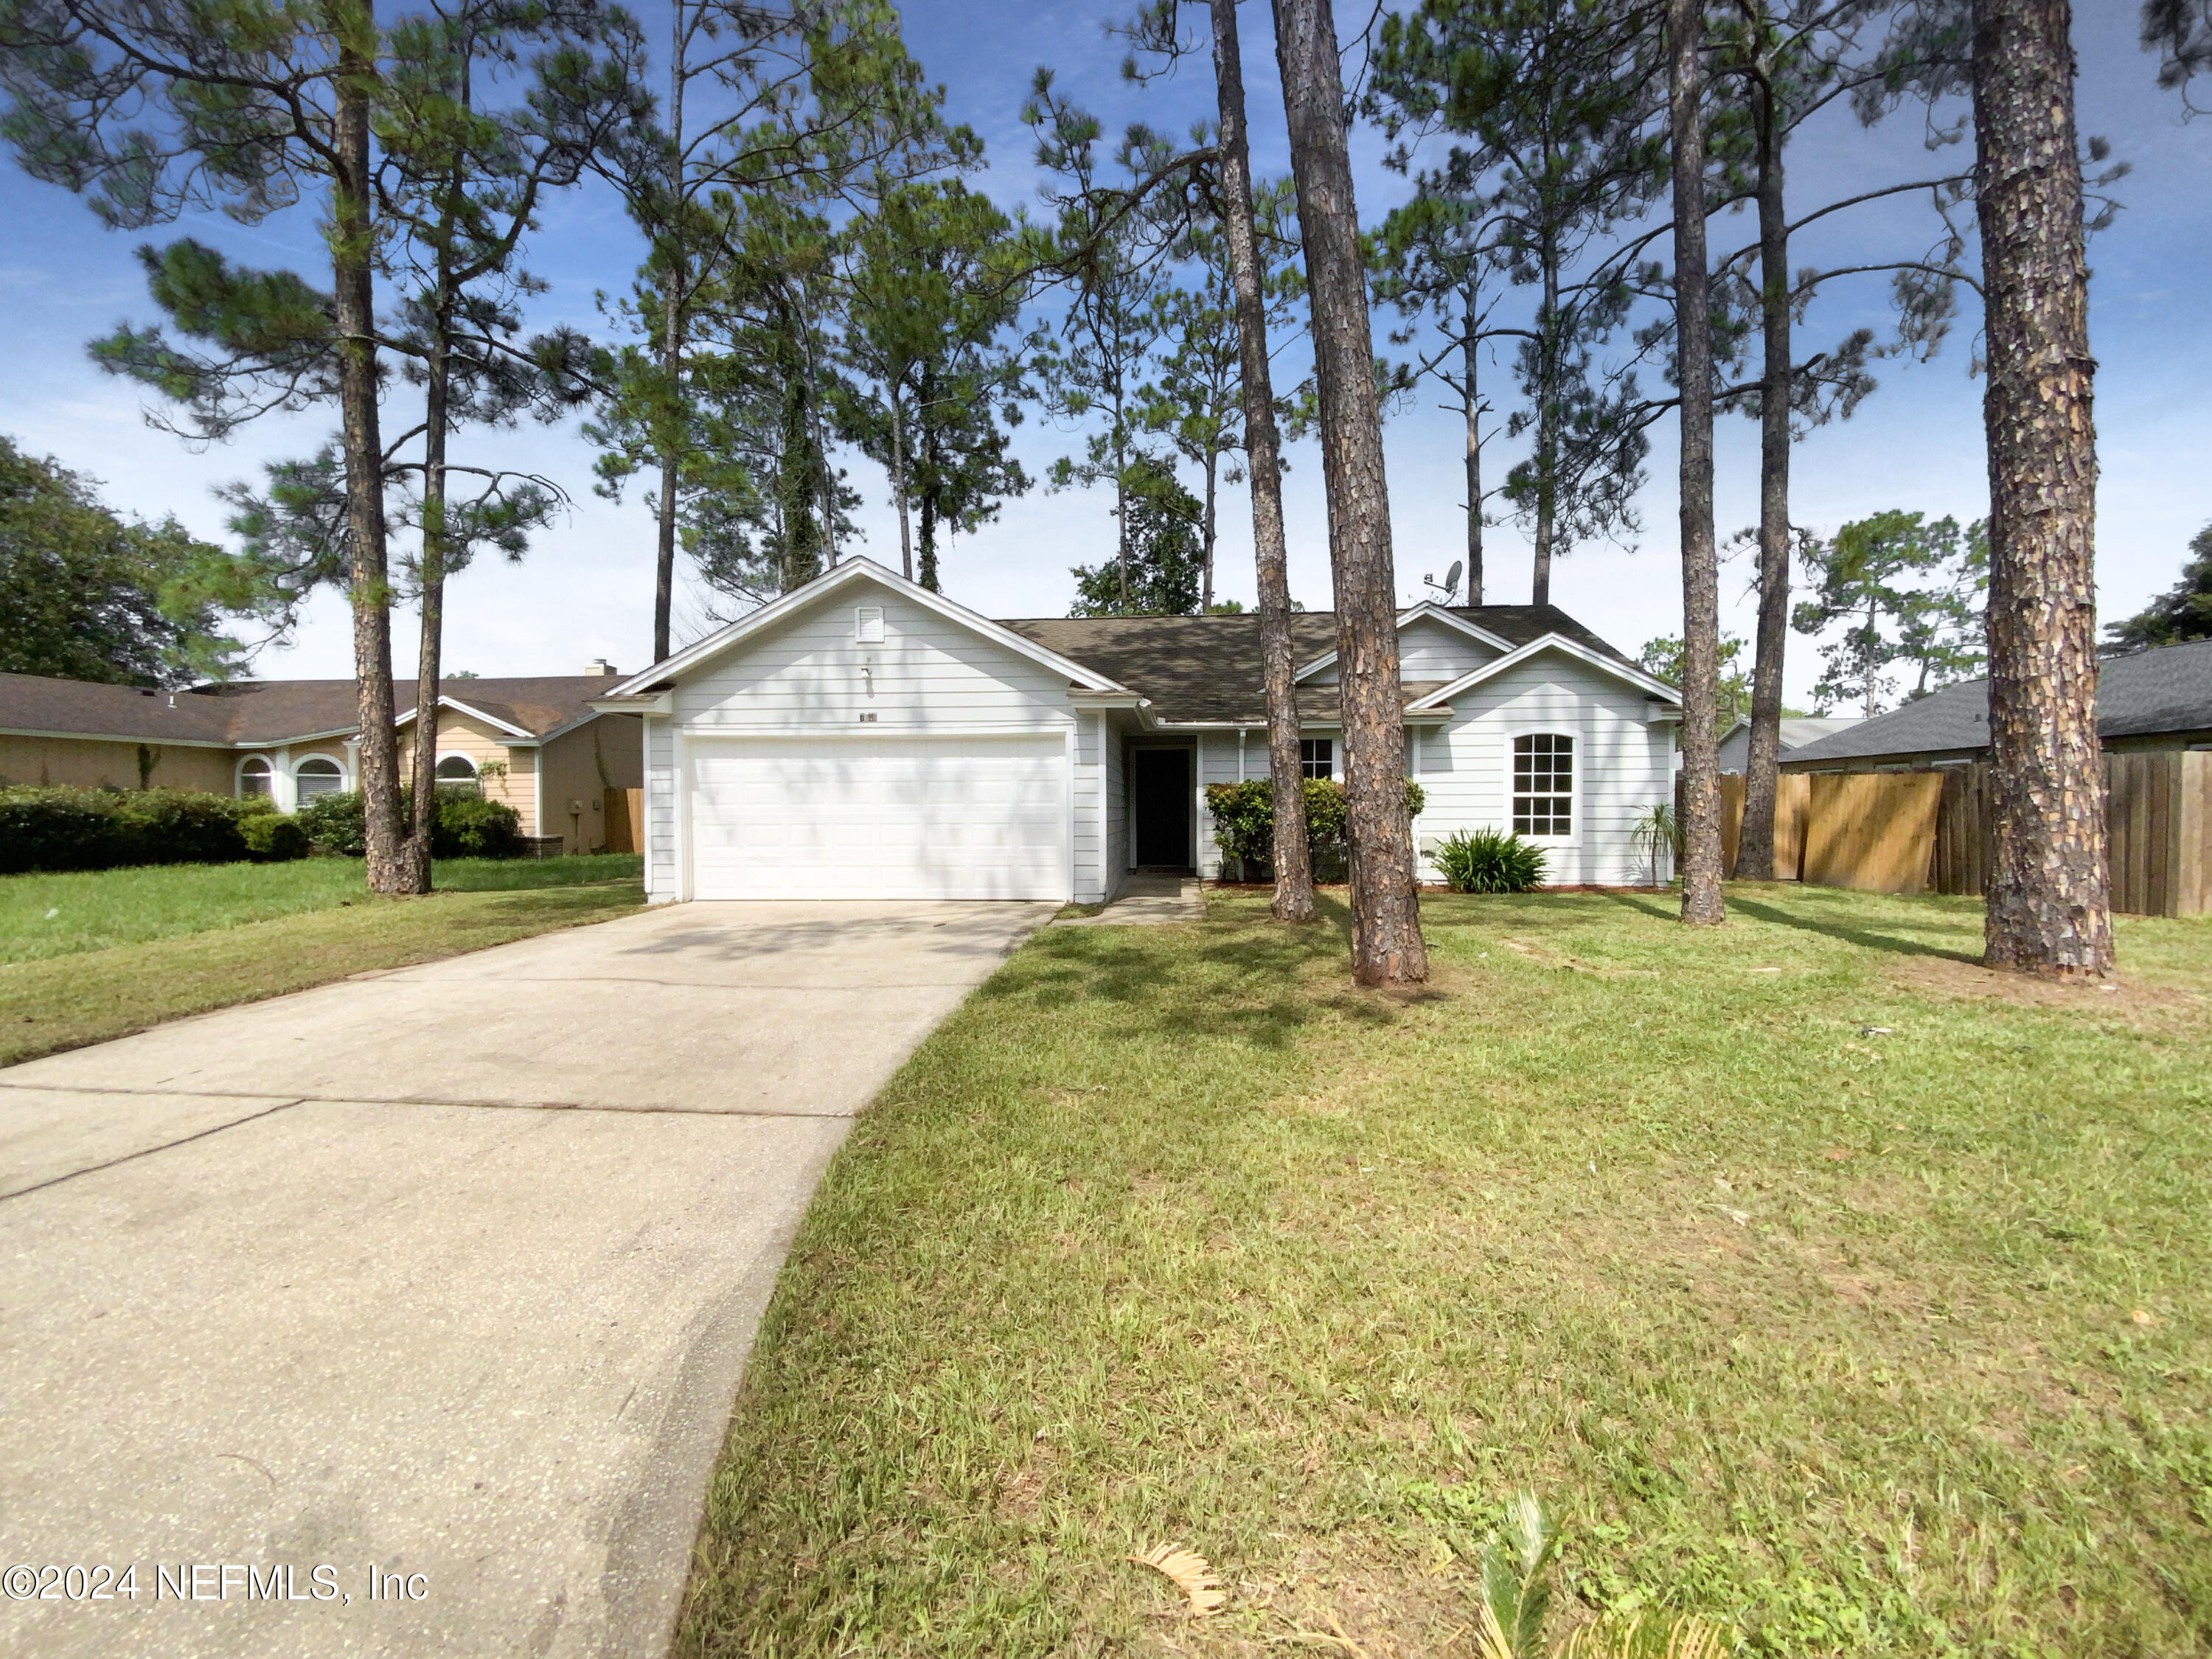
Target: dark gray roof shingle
(251, 712)
(2146, 692)
(1207, 668)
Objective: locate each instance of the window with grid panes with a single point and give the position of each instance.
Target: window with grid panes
(1316, 757)
(1544, 784)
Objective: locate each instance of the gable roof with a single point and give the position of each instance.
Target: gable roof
(257, 714)
(1459, 620)
(845, 574)
(1612, 663)
(1207, 669)
(2168, 689)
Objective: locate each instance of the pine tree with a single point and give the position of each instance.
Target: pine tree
(2183, 613)
(172, 105)
(1387, 946)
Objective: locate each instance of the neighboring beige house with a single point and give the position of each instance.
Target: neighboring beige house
(536, 744)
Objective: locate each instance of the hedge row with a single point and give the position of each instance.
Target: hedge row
(49, 829)
(1244, 820)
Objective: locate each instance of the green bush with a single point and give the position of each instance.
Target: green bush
(1244, 819)
(48, 829)
(1489, 862)
(470, 826)
(272, 838)
(467, 826)
(336, 824)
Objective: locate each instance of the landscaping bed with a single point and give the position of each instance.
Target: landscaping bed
(1820, 1281)
(86, 955)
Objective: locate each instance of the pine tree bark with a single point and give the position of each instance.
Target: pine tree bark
(1294, 899)
(1387, 946)
(1754, 857)
(1702, 904)
(1468, 347)
(355, 305)
(2048, 905)
(430, 639)
(1548, 425)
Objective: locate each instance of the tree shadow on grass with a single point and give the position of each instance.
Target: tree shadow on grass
(1851, 932)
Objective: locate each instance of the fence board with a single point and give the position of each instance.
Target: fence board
(625, 820)
(1873, 832)
(1792, 794)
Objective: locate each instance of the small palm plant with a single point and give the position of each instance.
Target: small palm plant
(1515, 1593)
(1656, 834)
(1485, 862)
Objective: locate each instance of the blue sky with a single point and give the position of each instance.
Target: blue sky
(585, 590)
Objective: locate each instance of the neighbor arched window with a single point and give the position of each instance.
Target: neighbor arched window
(318, 774)
(458, 772)
(255, 775)
(1544, 784)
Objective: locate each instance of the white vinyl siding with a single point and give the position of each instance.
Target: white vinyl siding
(1428, 650)
(660, 881)
(929, 673)
(1623, 764)
(1117, 811)
(925, 818)
(1217, 763)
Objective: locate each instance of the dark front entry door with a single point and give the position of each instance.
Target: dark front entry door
(1161, 778)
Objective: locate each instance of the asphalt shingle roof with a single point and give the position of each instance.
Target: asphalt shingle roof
(1207, 668)
(2146, 692)
(254, 712)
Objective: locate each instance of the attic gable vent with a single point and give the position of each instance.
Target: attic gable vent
(868, 624)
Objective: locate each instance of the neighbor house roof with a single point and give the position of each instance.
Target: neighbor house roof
(1208, 669)
(2140, 695)
(1796, 732)
(251, 713)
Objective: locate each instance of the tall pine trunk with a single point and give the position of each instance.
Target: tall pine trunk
(1387, 946)
(1468, 348)
(930, 441)
(1205, 570)
(1701, 614)
(672, 355)
(430, 640)
(2049, 907)
(1294, 899)
(1754, 857)
(899, 478)
(1547, 422)
(352, 252)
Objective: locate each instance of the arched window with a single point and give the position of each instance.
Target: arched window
(1544, 784)
(255, 775)
(458, 772)
(318, 774)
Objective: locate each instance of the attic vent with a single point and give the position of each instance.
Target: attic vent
(868, 624)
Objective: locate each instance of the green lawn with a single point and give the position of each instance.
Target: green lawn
(1816, 1287)
(88, 956)
(46, 915)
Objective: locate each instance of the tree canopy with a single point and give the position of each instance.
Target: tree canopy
(2182, 612)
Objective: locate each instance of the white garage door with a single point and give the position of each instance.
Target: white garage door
(981, 817)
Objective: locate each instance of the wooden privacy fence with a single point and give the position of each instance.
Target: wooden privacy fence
(2158, 826)
(625, 820)
(1920, 832)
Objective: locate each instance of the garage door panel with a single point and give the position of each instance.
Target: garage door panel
(879, 817)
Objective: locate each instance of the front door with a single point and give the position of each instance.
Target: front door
(1162, 780)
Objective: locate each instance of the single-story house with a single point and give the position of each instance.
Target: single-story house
(862, 737)
(1796, 732)
(537, 744)
(2146, 700)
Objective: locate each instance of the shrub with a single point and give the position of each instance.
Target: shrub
(1488, 861)
(1244, 818)
(272, 838)
(466, 826)
(336, 824)
(48, 829)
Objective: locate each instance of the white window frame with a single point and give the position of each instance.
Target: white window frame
(476, 772)
(238, 777)
(1335, 753)
(299, 768)
(1574, 802)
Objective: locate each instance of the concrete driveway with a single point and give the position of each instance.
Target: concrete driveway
(429, 1291)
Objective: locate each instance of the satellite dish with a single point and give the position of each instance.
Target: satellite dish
(1451, 580)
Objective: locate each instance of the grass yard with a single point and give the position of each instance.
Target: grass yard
(1815, 1282)
(91, 955)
